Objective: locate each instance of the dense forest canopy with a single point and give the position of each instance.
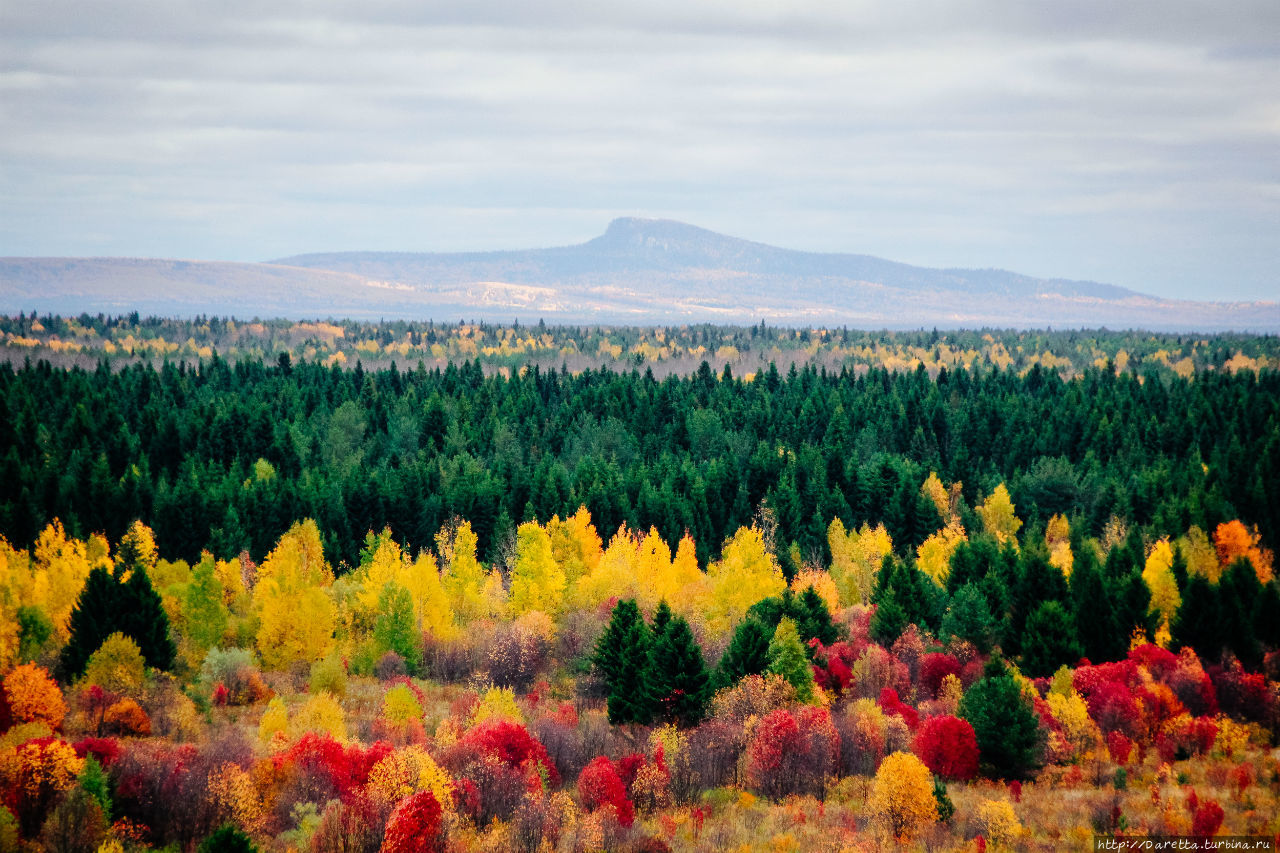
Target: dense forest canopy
(274, 600)
(225, 455)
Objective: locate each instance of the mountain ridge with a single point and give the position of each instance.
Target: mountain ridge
(638, 271)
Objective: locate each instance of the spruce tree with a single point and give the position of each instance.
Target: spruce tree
(1049, 640)
(1266, 616)
(95, 616)
(1198, 622)
(747, 653)
(143, 618)
(1239, 593)
(889, 621)
(1004, 722)
(678, 683)
(1096, 623)
(969, 618)
(622, 659)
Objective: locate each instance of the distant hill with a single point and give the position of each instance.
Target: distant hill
(638, 271)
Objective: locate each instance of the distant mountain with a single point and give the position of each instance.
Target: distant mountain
(638, 271)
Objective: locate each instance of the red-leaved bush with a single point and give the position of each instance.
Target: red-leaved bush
(344, 767)
(1119, 746)
(948, 747)
(104, 749)
(599, 785)
(793, 753)
(934, 667)
(1207, 819)
(415, 825)
(512, 745)
(891, 704)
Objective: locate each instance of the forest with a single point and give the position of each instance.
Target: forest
(944, 590)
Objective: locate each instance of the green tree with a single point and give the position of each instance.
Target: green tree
(1005, 724)
(787, 658)
(678, 682)
(969, 618)
(227, 838)
(205, 615)
(1199, 621)
(747, 654)
(93, 619)
(1096, 624)
(1049, 640)
(394, 628)
(622, 658)
(143, 618)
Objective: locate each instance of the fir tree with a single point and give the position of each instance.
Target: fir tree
(969, 618)
(1096, 624)
(889, 621)
(622, 658)
(678, 682)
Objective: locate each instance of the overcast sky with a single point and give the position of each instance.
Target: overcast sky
(1136, 143)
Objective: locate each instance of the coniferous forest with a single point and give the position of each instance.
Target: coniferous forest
(326, 587)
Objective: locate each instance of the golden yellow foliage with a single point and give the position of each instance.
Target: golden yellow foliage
(575, 544)
(117, 666)
(497, 702)
(275, 721)
(998, 516)
(1165, 598)
(933, 556)
(292, 600)
(999, 822)
(746, 573)
(237, 798)
(1202, 557)
(1057, 535)
(537, 581)
(855, 559)
(902, 802)
(321, 714)
(60, 568)
(821, 583)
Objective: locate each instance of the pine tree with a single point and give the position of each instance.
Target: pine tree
(747, 653)
(969, 618)
(661, 619)
(678, 682)
(1239, 592)
(787, 658)
(1006, 726)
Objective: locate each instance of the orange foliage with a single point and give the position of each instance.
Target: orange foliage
(1233, 540)
(126, 717)
(34, 697)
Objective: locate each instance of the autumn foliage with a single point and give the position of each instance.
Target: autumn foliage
(948, 747)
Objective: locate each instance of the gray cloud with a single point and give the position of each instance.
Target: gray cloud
(1131, 143)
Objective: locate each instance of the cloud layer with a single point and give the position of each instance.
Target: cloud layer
(1132, 143)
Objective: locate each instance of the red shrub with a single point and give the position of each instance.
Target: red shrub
(1195, 737)
(948, 747)
(793, 753)
(891, 704)
(1113, 707)
(833, 665)
(104, 749)
(1242, 694)
(600, 785)
(1119, 746)
(345, 767)
(1159, 662)
(1192, 685)
(1207, 819)
(511, 744)
(934, 668)
(415, 825)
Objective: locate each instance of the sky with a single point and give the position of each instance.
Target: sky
(1134, 143)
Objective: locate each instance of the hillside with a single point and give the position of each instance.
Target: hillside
(638, 271)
